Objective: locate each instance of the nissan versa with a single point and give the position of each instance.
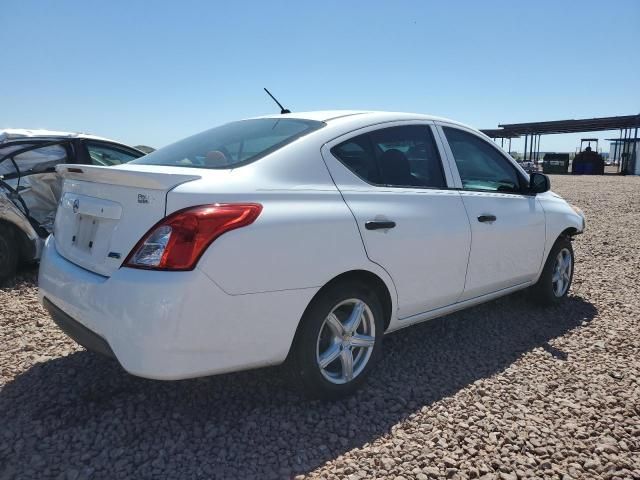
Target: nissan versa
(301, 237)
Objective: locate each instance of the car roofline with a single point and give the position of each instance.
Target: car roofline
(13, 134)
(375, 115)
(52, 139)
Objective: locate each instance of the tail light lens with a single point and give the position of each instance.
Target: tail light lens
(178, 241)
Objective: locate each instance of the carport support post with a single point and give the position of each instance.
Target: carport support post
(628, 150)
(531, 148)
(533, 139)
(509, 145)
(633, 155)
(621, 152)
(525, 148)
(625, 151)
(615, 151)
(538, 153)
(620, 149)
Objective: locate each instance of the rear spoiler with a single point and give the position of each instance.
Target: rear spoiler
(139, 177)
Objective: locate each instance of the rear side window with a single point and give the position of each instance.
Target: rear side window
(397, 156)
(107, 156)
(481, 166)
(231, 145)
(357, 155)
(36, 160)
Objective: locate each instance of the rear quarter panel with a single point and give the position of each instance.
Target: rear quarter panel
(300, 240)
(304, 237)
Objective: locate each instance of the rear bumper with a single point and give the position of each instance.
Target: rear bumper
(169, 325)
(78, 332)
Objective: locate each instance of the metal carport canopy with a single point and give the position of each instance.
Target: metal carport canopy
(567, 126)
(499, 133)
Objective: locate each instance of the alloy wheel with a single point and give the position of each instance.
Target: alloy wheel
(345, 341)
(562, 270)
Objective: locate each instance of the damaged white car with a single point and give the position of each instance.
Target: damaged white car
(30, 187)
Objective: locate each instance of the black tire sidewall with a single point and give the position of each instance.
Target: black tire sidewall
(305, 365)
(544, 287)
(8, 254)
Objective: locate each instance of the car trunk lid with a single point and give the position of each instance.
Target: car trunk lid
(104, 211)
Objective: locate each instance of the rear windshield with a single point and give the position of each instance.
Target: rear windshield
(231, 145)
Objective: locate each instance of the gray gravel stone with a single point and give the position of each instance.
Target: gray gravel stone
(504, 390)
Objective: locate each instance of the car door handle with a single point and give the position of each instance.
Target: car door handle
(487, 218)
(376, 225)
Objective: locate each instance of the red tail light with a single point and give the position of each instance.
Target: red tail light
(178, 241)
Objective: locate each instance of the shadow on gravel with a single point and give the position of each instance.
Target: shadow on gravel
(83, 415)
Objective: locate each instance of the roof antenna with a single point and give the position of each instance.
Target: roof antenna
(282, 109)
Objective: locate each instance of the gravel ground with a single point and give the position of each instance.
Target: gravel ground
(505, 390)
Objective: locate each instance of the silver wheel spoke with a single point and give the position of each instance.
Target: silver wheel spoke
(560, 260)
(335, 325)
(346, 341)
(561, 277)
(362, 341)
(353, 322)
(329, 356)
(559, 287)
(346, 358)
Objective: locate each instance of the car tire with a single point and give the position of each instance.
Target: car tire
(557, 275)
(8, 254)
(331, 359)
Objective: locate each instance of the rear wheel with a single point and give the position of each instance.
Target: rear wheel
(8, 254)
(339, 340)
(557, 274)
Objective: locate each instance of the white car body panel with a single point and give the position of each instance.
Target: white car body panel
(171, 325)
(506, 252)
(428, 223)
(559, 218)
(326, 245)
(240, 307)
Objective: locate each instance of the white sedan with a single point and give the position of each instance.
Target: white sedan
(301, 237)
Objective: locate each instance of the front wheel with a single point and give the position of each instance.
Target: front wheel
(339, 340)
(557, 274)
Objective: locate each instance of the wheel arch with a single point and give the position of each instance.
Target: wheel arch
(369, 278)
(568, 232)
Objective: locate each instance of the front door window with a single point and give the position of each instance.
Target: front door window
(480, 165)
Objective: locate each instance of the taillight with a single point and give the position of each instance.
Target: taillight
(178, 241)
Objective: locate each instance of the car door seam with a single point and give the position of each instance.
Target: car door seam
(466, 273)
(364, 246)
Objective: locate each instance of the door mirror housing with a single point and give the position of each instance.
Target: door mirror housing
(539, 183)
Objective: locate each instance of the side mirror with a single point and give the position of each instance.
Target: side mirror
(539, 183)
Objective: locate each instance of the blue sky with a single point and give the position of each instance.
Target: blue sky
(154, 72)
